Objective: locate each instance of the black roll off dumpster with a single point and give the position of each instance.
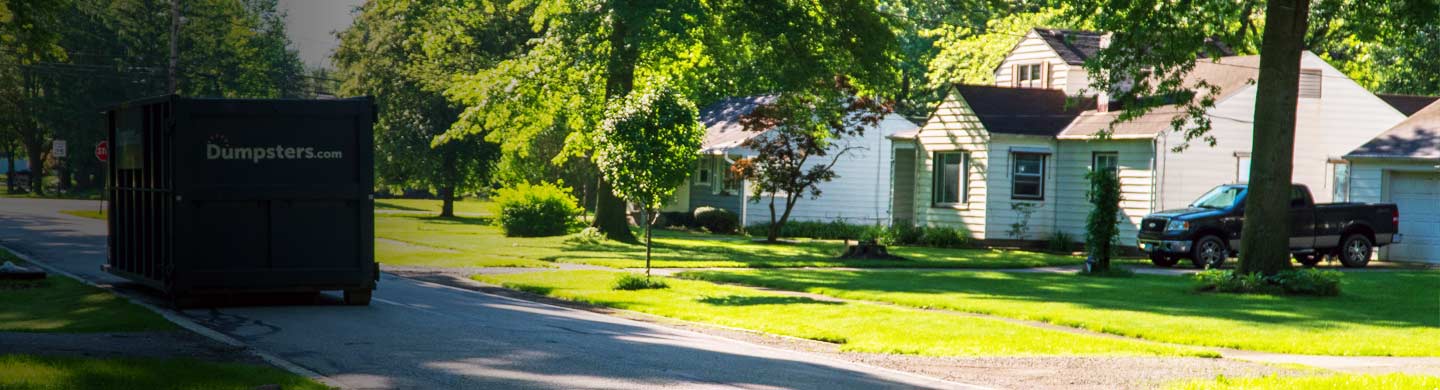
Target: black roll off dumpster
(234, 196)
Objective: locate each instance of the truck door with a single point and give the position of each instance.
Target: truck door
(1302, 219)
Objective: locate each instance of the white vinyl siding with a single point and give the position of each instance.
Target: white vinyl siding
(953, 127)
(1404, 183)
(999, 212)
(1133, 167)
(1030, 51)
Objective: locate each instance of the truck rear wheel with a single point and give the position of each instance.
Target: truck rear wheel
(1355, 251)
(357, 297)
(1163, 261)
(1208, 252)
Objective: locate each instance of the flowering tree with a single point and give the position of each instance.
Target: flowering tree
(645, 148)
(799, 147)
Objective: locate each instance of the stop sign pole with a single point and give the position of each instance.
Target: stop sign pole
(102, 152)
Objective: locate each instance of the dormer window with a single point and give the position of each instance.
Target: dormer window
(1030, 76)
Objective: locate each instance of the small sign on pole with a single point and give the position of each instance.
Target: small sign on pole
(102, 151)
(57, 148)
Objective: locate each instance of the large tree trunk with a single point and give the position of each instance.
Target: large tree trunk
(619, 80)
(447, 190)
(1265, 238)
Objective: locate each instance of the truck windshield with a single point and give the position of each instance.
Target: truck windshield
(1219, 198)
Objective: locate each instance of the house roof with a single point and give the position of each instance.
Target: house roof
(1073, 46)
(1230, 74)
(1023, 111)
(1407, 104)
(722, 122)
(1416, 137)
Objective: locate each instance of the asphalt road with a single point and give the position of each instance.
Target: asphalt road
(425, 336)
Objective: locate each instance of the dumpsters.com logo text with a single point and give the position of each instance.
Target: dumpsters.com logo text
(221, 151)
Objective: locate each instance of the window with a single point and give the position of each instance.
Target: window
(1107, 161)
(1242, 167)
(1311, 83)
(703, 177)
(949, 178)
(1342, 182)
(1029, 76)
(1028, 178)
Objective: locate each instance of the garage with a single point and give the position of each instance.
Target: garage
(1417, 194)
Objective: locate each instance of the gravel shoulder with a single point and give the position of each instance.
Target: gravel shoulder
(1044, 372)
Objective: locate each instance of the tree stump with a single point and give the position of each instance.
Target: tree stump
(868, 250)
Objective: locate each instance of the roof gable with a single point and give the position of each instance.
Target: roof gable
(1416, 137)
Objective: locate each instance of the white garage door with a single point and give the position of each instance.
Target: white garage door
(1418, 196)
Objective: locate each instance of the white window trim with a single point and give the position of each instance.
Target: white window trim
(962, 182)
(1013, 176)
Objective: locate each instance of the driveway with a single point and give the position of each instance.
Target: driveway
(423, 335)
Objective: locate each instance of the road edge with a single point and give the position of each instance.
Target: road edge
(185, 323)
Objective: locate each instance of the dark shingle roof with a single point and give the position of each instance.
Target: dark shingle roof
(1416, 137)
(1073, 46)
(1230, 74)
(722, 121)
(1407, 104)
(1024, 111)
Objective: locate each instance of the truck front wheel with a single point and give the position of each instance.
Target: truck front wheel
(1355, 251)
(1163, 261)
(1208, 252)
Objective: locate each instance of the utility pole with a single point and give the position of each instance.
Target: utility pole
(174, 44)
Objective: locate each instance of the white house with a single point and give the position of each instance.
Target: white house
(1022, 146)
(1402, 166)
(859, 194)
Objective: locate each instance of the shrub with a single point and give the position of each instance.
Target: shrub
(535, 210)
(587, 236)
(631, 282)
(1308, 281)
(716, 220)
(676, 219)
(902, 233)
(944, 237)
(1060, 242)
(833, 230)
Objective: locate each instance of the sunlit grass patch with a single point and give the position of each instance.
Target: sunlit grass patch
(1326, 382)
(92, 214)
(60, 304)
(856, 326)
(1380, 314)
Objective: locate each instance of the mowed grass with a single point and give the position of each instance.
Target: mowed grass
(62, 305)
(468, 206)
(1377, 314)
(467, 241)
(856, 327)
(26, 372)
(1328, 382)
(92, 214)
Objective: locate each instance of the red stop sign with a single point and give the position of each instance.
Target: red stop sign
(102, 151)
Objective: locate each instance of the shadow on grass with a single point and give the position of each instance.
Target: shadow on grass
(743, 300)
(383, 205)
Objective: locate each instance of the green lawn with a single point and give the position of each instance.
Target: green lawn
(26, 372)
(1377, 314)
(428, 206)
(856, 326)
(60, 304)
(92, 214)
(1329, 382)
(475, 242)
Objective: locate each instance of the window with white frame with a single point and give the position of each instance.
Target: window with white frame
(1242, 167)
(1105, 161)
(949, 187)
(1029, 76)
(1342, 182)
(1027, 179)
(703, 175)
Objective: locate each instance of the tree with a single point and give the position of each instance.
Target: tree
(646, 147)
(706, 49)
(400, 53)
(1156, 46)
(1102, 224)
(802, 137)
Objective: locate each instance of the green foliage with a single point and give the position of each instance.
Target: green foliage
(647, 145)
(1102, 225)
(833, 230)
(535, 210)
(716, 220)
(1306, 281)
(1060, 242)
(944, 237)
(631, 282)
(970, 54)
(40, 372)
(1021, 227)
(587, 236)
(1319, 382)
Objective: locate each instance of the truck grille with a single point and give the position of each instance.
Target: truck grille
(1151, 225)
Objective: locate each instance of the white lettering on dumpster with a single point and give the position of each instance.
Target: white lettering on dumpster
(261, 153)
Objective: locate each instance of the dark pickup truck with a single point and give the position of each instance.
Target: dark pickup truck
(1208, 231)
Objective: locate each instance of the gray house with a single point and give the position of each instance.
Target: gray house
(1402, 166)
